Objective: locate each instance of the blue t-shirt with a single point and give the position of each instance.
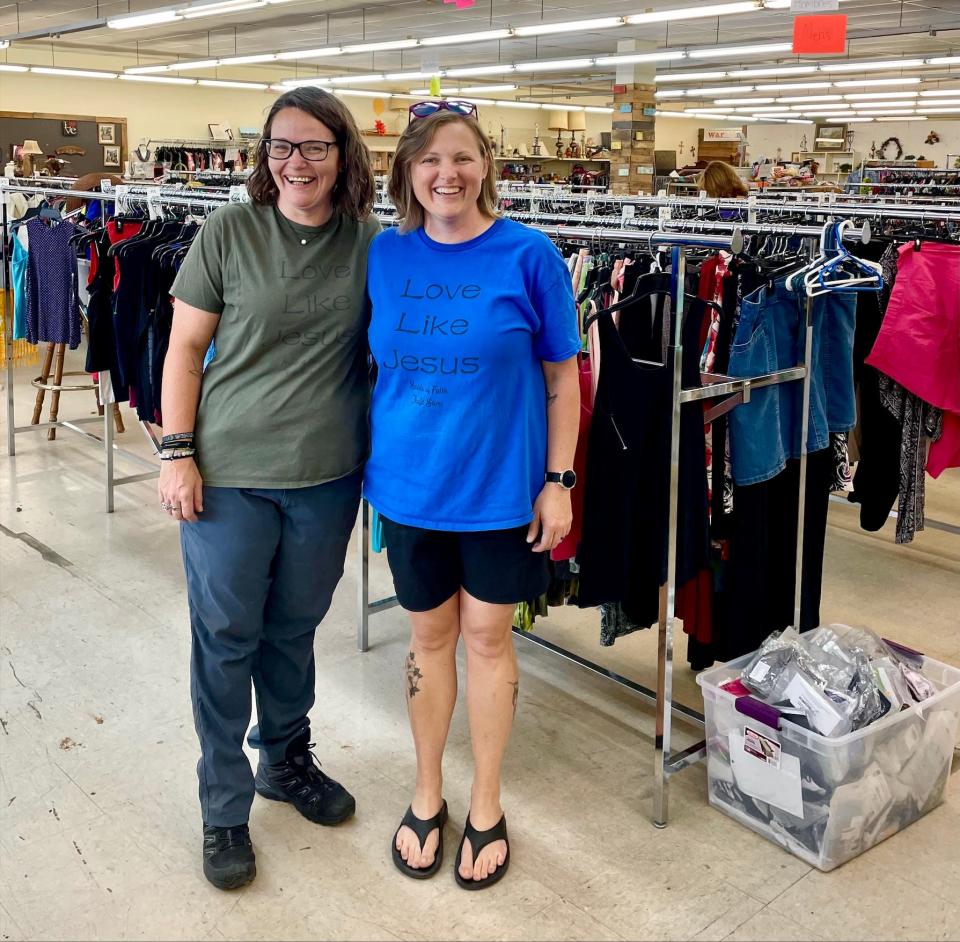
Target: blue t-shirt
(459, 413)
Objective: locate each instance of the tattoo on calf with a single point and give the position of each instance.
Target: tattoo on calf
(413, 676)
(551, 398)
(516, 693)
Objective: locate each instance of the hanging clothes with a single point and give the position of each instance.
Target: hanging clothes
(53, 313)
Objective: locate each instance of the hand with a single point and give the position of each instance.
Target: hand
(552, 518)
(181, 489)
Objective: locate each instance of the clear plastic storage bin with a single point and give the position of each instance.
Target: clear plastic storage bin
(828, 800)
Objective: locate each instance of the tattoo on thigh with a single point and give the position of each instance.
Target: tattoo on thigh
(413, 676)
(516, 693)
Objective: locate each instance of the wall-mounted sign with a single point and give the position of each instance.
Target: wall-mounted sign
(625, 108)
(623, 171)
(648, 112)
(814, 6)
(820, 34)
(722, 134)
(616, 145)
(642, 168)
(619, 89)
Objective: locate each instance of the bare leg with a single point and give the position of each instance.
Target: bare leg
(430, 680)
(493, 686)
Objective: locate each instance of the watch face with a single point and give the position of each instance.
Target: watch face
(568, 479)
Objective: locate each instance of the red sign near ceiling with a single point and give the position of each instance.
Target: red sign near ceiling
(820, 34)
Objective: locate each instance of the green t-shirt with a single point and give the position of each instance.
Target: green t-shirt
(284, 402)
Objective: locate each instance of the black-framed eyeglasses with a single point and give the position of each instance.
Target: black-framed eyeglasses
(423, 109)
(280, 149)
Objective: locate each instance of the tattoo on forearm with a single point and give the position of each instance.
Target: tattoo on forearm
(516, 693)
(551, 398)
(413, 676)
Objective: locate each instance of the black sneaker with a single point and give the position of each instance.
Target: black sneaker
(228, 858)
(299, 781)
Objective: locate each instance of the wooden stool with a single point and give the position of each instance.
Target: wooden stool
(54, 360)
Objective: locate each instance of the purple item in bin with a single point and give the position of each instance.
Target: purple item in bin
(758, 710)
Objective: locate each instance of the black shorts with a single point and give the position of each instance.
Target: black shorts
(430, 566)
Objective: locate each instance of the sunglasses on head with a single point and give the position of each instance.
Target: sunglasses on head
(423, 109)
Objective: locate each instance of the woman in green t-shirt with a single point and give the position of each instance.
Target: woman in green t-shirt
(262, 459)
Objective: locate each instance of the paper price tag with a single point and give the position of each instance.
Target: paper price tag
(629, 211)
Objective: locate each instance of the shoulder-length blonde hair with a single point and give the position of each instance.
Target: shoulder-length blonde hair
(354, 190)
(413, 142)
(721, 181)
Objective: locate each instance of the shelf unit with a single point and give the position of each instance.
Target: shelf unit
(561, 160)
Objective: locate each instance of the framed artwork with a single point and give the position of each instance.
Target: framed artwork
(70, 129)
(830, 137)
(111, 156)
(106, 134)
(220, 132)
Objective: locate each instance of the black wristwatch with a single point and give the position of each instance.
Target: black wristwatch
(566, 479)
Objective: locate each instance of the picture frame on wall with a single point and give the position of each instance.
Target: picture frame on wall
(111, 156)
(830, 137)
(70, 129)
(106, 134)
(220, 132)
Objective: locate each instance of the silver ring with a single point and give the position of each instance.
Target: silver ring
(166, 506)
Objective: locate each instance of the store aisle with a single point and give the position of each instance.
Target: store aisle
(99, 825)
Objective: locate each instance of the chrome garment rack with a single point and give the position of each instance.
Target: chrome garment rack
(155, 197)
(666, 761)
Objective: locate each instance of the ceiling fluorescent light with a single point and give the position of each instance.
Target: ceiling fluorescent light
(873, 82)
(227, 7)
(382, 47)
(797, 121)
(944, 60)
(848, 120)
(743, 101)
(198, 64)
(223, 83)
(347, 79)
(689, 76)
(13, 68)
(311, 53)
(733, 52)
(673, 114)
(901, 117)
(597, 109)
(694, 13)
(487, 35)
(361, 93)
(147, 69)
(317, 81)
(940, 92)
(871, 66)
(936, 103)
(411, 76)
(545, 29)
(792, 86)
(827, 114)
(861, 96)
(778, 70)
(719, 89)
(158, 79)
(473, 89)
(943, 110)
(249, 60)
(531, 105)
(793, 98)
(642, 57)
(482, 70)
(676, 93)
(144, 19)
(766, 109)
(79, 73)
(551, 65)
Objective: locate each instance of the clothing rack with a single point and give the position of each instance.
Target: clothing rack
(150, 197)
(666, 761)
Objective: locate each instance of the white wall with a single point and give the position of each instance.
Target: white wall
(764, 138)
(170, 111)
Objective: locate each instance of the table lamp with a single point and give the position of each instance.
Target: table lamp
(29, 150)
(576, 121)
(557, 121)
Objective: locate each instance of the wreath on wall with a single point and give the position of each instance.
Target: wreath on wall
(895, 141)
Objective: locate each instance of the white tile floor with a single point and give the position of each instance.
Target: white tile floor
(99, 827)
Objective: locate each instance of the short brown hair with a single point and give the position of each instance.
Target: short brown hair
(721, 181)
(414, 141)
(354, 190)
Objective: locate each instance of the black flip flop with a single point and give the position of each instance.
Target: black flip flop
(422, 828)
(479, 840)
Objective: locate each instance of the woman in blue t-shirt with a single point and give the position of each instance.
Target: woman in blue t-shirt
(474, 426)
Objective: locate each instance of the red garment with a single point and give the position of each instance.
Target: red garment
(694, 605)
(567, 547)
(117, 231)
(945, 451)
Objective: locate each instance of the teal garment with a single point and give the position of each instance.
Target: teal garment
(377, 541)
(18, 279)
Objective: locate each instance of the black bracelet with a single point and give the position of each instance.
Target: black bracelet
(179, 438)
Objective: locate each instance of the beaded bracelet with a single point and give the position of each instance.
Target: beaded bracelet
(175, 453)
